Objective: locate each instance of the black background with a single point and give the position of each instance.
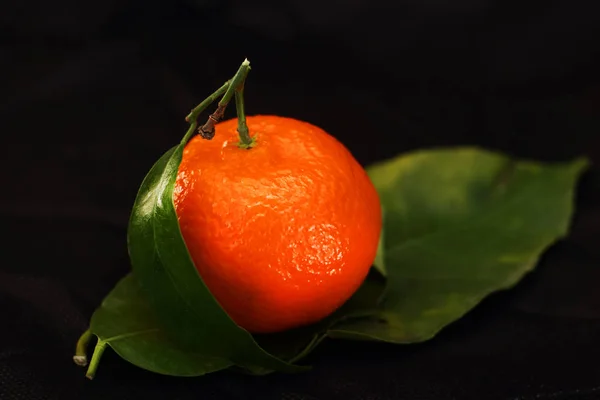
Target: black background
(94, 92)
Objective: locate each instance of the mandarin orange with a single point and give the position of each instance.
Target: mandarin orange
(282, 233)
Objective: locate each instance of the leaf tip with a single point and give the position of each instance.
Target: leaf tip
(581, 164)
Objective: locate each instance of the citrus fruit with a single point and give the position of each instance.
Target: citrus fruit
(282, 233)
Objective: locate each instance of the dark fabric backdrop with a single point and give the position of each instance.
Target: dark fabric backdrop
(94, 92)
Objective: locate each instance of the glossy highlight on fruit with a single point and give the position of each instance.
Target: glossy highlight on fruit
(282, 233)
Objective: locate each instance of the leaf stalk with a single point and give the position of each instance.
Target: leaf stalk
(80, 357)
(95, 361)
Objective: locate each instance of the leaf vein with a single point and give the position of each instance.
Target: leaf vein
(127, 335)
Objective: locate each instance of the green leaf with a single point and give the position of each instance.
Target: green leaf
(185, 307)
(365, 301)
(126, 323)
(460, 224)
(379, 262)
(298, 343)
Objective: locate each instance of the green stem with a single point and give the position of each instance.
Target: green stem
(208, 129)
(80, 357)
(246, 141)
(98, 351)
(237, 81)
(192, 117)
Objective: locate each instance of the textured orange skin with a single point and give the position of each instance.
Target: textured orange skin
(283, 233)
